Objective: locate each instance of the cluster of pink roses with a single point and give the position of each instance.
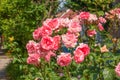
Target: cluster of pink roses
(92, 20)
(48, 42)
(80, 52)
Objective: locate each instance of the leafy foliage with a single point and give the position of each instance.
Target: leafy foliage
(18, 19)
(97, 6)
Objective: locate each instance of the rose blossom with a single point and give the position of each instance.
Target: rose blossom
(52, 23)
(33, 59)
(37, 48)
(74, 27)
(37, 34)
(101, 28)
(84, 48)
(76, 18)
(92, 17)
(117, 10)
(78, 56)
(91, 33)
(102, 20)
(69, 39)
(64, 22)
(64, 59)
(31, 47)
(47, 43)
(84, 15)
(117, 69)
(45, 30)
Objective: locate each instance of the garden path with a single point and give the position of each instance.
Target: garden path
(4, 60)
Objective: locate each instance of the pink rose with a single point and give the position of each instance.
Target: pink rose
(102, 20)
(64, 22)
(33, 59)
(31, 47)
(84, 48)
(101, 28)
(42, 31)
(46, 30)
(117, 69)
(117, 10)
(56, 40)
(74, 27)
(37, 34)
(92, 17)
(76, 19)
(53, 23)
(78, 56)
(47, 43)
(37, 48)
(91, 33)
(49, 55)
(84, 15)
(69, 39)
(64, 59)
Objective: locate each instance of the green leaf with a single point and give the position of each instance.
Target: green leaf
(73, 78)
(93, 76)
(83, 78)
(108, 74)
(100, 13)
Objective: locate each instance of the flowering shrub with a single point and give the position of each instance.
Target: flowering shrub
(69, 42)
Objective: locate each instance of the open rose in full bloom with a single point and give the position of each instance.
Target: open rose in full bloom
(84, 48)
(31, 47)
(102, 20)
(42, 31)
(50, 43)
(84, 15)
(74, 27)
(33, 59)
(78, 56)
(52, 23)
(64, 59)
(69, 39)
(47, 43)
(64, 22)
(45, 31)
(91, 33)
(92, 17)
(117, 69)
(37, 34)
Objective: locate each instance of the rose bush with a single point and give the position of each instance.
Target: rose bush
(68, 43)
